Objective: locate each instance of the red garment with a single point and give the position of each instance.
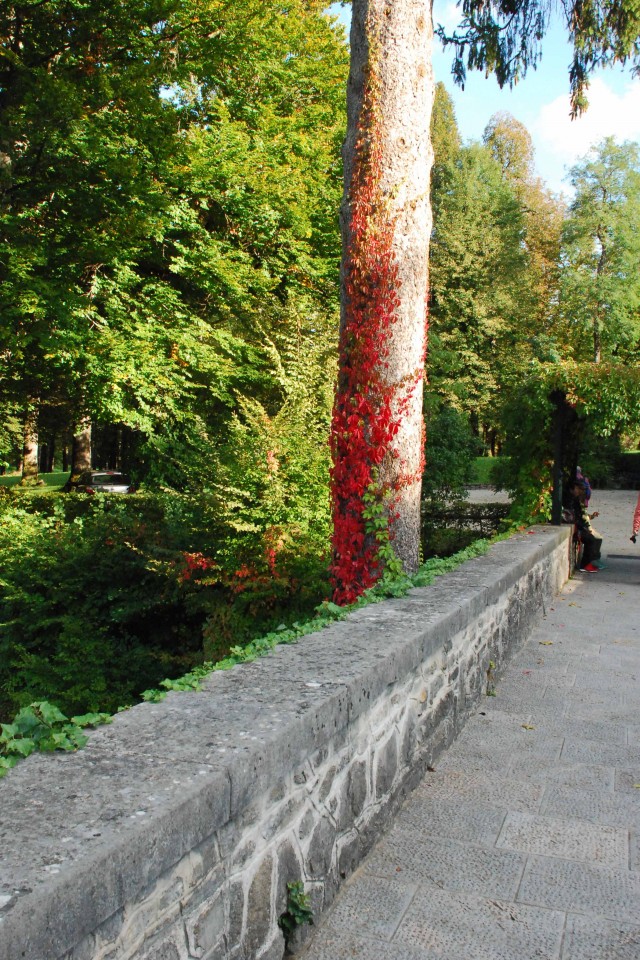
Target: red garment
(636, 518)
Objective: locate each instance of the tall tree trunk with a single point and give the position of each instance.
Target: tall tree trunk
(597, 342)
(30, 446)
(81, 450)
(51, 453)
(599, 310)
(43, 457)
(377, 432)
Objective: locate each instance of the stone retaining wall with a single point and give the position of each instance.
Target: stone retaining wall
(174, 833)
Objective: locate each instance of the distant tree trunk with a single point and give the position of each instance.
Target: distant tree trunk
(597, 338)
(43, 456)
(119, 448)
(377, 432)
(81, 449)
(30, 446)
(599, 308)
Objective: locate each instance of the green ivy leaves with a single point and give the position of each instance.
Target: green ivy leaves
(41, 726)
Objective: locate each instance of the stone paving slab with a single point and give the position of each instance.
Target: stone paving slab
(473, 822)
(607, 700)
(596, 752)
(464, 927)
(614, 730)
(569, 839)
(616, 810)
(581, 887)
(560, 880)
(587, 776)
(330, 944)
(604, 712)
(447, 863)
(375, 906)
(457, 786)
(531, 701)
(611, 731)
(586, 938)
(527, 682)
(628, 781)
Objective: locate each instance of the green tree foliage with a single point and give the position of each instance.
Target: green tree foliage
(588, 309)
(511, 146)
(451, 449)
(170, 181)
(168, 213)
(600, 295)
(604, 399)
(445, 140)
(480, 284)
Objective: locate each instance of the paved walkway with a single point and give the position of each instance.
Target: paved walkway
(523, 843)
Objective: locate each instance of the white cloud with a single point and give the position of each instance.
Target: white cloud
(560, 140)
(448, 14)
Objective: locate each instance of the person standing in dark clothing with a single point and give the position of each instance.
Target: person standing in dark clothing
(591, 540)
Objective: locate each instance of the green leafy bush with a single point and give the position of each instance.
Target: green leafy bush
(92, 607)
(102, 597)
(451, 450)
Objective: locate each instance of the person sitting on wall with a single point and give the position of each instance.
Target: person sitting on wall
(591, 541)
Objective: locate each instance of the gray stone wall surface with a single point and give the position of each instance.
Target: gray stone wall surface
(174, 833)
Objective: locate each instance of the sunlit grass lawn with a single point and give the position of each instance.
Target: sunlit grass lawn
(481, 470)
(52, 481)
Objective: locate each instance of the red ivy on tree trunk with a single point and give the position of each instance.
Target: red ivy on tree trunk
(367, 409)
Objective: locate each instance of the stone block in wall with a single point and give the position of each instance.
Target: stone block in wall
(260, 921)
(350, 853)
(306, 825)
(282, 817)
(319, 853)
(274, 950)
(108, 937)
(172, 947)
(289, 870)
(84, 950)
(353, 799)
(235, 926)
(206, 928)
(386, 766)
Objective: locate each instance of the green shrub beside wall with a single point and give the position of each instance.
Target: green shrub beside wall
(103, 597)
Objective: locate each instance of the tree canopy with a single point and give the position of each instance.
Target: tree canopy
(600, 290)
(170, 176)
(506, 38)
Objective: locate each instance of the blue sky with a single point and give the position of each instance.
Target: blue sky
(541, 101)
